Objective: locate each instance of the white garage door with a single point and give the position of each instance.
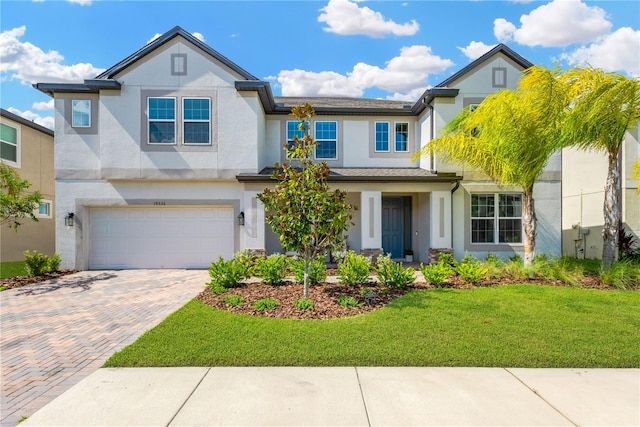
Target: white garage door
(166, 237)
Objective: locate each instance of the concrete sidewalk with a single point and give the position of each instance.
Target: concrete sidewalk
(348, 396)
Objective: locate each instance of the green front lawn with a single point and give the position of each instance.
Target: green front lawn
(507, 326)
(12, 269)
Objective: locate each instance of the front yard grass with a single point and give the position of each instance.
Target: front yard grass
(12, 269)
(505, 326)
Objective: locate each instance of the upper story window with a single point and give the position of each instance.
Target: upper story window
(501, 225)
(382, 136)
(402, 137)
(326, 133)
(196, 120)
(385, 138)
(81, 113)
(9, 144)
(293, 130)
(162, 120)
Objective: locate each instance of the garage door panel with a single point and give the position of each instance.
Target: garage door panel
(160, 237)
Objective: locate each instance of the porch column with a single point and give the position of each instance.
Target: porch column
(440, 223)
(371, 220)
(252, 232)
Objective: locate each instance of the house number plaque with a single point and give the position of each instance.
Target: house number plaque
(159, 203)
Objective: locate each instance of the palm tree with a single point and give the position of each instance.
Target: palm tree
(604, 107)
(509, 137)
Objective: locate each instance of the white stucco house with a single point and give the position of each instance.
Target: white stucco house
(159, 156)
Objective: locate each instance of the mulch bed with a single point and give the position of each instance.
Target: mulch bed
(324, 296)
(19, 281)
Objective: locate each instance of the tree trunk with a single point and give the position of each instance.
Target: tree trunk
(611, 212)
(529, 226)
(307, 263)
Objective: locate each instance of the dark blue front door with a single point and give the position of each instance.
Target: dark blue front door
(393, 226)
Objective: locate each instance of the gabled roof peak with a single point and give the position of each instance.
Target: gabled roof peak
(166, 37)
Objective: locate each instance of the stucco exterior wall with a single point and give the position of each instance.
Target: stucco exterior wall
(36, 166)
(583, 178)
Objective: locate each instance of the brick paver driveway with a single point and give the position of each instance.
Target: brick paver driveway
(58, 332)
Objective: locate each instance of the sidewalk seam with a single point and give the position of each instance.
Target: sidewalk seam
(188, 397)
(364, 402)
(534, 391)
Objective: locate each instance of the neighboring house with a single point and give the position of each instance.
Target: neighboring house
(161, 158)
(584, 174)
(28, 148)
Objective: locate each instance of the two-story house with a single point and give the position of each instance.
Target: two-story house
(28, 148)
(161, 157)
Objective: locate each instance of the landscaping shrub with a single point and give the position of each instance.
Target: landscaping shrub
(265, 304)
(494, 266)
(623, 274)
(560, 269)
(436, 274)
(471, 273)
(234, 300)
(273, 269)
(37, 263)
(354, 269)
(217, 289)
(626, 244)
(391, 273)
(304, 304)
(246, 261)
(317, 270)
(348, 301)
(227, 274)
(447, 259)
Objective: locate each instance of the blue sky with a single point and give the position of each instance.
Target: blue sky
(372, 49)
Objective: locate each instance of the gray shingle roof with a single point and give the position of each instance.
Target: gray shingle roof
(365, 175)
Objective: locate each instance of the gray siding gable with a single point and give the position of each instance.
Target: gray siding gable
(166, 37)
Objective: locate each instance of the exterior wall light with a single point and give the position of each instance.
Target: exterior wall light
(68, 220)
(241, 218)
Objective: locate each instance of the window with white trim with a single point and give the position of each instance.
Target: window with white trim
(81, 113)
(326, 134)
(401, 136)
(9, 143)
(162, 120)
(382, 136)
(293, 130)
(196, 121)
(44, 209)
(496, 218)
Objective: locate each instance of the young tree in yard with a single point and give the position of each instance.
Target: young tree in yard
(14, 204)
(309, 217)
(604, 106)
(509, 137)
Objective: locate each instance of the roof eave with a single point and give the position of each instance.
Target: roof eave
(430, 94)
(89, 86)
(338, 178)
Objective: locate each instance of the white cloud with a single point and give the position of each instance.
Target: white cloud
(30, 64)
(155, 36)
(412, 95)
(345, 17)
(43, 105)
(617, 51)
(476, 49)
(199, 36)
(402, 74)
(34, 117)
(81, 2)
(556, 24)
